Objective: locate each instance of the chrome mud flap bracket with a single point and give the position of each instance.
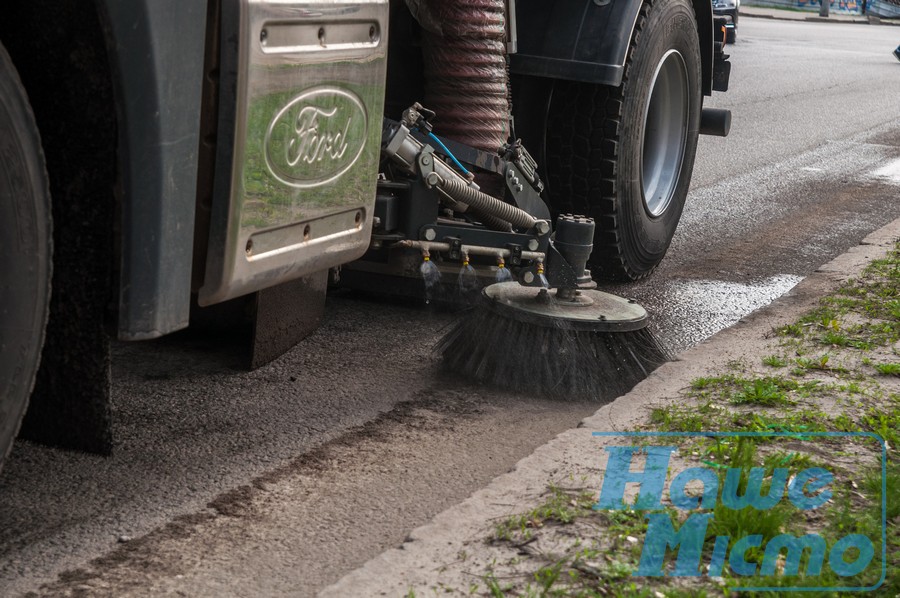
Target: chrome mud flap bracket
(301, 101)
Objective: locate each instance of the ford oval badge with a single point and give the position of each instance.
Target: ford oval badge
(316, 137)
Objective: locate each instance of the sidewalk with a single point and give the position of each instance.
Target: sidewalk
(781, 14)
(450, 555)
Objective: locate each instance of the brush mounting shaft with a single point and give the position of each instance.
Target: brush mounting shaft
(574, 239)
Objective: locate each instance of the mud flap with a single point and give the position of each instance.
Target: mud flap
(284, 315)
(262, 326)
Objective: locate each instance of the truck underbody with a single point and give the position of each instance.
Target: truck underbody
(226, 157)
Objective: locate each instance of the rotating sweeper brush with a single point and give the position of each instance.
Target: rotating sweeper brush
(548, 330)
(571, 341)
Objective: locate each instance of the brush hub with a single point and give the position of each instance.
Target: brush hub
(588, 310)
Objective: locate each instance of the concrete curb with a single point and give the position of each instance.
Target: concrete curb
(418, 562)
(786, 15)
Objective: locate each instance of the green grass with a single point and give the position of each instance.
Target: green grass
(766, 392)
(822, 363)
(774, 361)
(737, 523)
(852, 512)
(561, 507)
(888, 369)
(884, 422)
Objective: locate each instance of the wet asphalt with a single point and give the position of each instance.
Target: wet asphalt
(308, 467)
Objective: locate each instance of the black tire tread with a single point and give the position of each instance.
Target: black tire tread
(18, 102)
(583, 160)
(594, 192)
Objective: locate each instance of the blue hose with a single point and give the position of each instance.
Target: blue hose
(450, 155)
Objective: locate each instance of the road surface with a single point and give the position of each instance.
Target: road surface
(279, 481)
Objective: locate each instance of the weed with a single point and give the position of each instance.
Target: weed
(493, 586)
(888, 369)
(764, 391)
(668, 419)
(818, 363)
(885, 423)
(701, 383)
(794, 330)
(774, 361)
(547, 576)
(561, 507)
(834, 338)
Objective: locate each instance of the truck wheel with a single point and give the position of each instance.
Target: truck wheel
(624, 155)
(25, 257)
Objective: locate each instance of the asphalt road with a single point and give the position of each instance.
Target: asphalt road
(279, 481)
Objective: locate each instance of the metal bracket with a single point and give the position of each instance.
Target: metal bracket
(523, 194)
(455, 252)
(558, 271)
(515, 255)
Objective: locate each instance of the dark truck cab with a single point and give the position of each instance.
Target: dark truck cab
(164, 158)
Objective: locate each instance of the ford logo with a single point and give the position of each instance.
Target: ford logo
(316, 137)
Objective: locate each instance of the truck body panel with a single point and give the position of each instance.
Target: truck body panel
(597, 50)
(156, 49)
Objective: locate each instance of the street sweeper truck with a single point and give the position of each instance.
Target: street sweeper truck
(166, 163)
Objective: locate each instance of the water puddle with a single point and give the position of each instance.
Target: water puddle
(693, 310)
(890, 171)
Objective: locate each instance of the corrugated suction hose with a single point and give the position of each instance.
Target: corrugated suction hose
(483, 203)
(466, 77)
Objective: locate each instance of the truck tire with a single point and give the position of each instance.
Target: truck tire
(25, 252)
(624, 155)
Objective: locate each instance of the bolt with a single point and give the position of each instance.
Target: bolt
(529, 277)
(519, 188)
(533, 244)
(432, 179)
(542, 226)
(515, 181)
(426, 160)
(263, 35)
(430, 234)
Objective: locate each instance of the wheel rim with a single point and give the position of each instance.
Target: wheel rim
(665, 133)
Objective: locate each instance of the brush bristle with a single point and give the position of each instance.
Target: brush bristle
(550, 361)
